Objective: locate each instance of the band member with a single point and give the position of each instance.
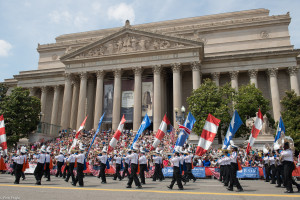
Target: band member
(272, 168)
(60, 162)
(176, 172)
(234, 168)
(80, 167)
(38, 172)
(134, 158)
(227, 167)
(118, 160)
(103, 159)
(267, 167)
(47, 166)
(279, 169)
(188, 162)
(67, 167)
(127, 164)
(158, 161)
(143, 166)
(71, 160)
(19, 159)
(287, 157)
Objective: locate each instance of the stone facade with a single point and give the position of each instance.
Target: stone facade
(152, 68)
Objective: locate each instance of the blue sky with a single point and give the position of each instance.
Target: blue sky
(25, 23)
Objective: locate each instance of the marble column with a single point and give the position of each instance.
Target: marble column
(74, 107)
(196, 75)
(44, 91)
(82, 98)
(234, 80)
(272, 72)
(99, 98)
(253, 76)
(137, 110)
(66, 109)
(54, 115)
(293, 72)
(177, 96)
(157, 97)
(90, 101)
(117, 99)
(216, 78)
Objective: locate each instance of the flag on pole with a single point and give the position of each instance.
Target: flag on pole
(77, 134)
(280, 129)
(114, 140)
(256, 128)
(234, 125)
(208, 134)
(145, 124)
(3, 142)
(185, 131)
(98, 129)
(161, 132)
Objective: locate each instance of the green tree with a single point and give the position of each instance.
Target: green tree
(247, 101)
(21, 114)
(3, 91)
(209, 98)
(291, 116)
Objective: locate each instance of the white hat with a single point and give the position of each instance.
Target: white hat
(23, 149)
(43, 149)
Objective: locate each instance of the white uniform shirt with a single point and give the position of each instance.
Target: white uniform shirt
(80, 158)
(188, 158)
(60, 158)
(227, 160)
(176, 160)
(118, 160)
(103, 159)
(272, 160)
(127, 160)
(41, 158)
(181, 159)
(233, 157)
(157, 160)
(47, 158)
(266, 160)
(287, 155)
(71, 158)
(133, 158)
(143, 160)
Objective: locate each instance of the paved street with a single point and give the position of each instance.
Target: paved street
(202, 189)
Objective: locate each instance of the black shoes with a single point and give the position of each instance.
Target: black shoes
(180, 188)
(289, 191)
(230, 189)
(16, 183)
(128, 186)
(139, 187)
(38, 183)
(48, 180)
(278, 186)
(103, 182)
(195, 180)
(169, 187)
(240, 190)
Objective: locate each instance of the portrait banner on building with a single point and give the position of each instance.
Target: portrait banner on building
(127, 105)
(147, 99)
(108, 101)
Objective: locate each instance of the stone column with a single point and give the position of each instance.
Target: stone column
(293, 71)
(54, 115)
(216, 78)
(117, 99)
(44, 91)
(99, 98)
(196, 75)
(157, 97)
(66, 109)
(234, 80)
(82, 98)
(90, 101)
(74, 108)
(272, 72)
(253, 76)
(177, 97)
(137, 110)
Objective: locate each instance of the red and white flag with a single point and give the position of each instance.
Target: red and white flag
(256, 128)
(77, 134)
(161, 132)
(114, 140)
(3, 142)
(208, 135)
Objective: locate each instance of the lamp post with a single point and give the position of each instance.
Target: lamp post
(40, 123)
(180, 117)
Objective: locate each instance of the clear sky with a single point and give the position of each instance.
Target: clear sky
(25, 23)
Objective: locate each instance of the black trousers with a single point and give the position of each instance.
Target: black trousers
(227, 169)
(38, 172)
(267, 172)
(22, 174)
(117, 174)
(79, 177)
(18, 172)
(14, 168)
(47, 171)
(233, 178)
(133, 176)
(188, 172)
(221, 173)
(102, 172)
(279, 175)
(157, 172)
(288, 168)
(176, 177)
(126, 171)
(70, 172)
(59, 165)
(65, 170)
(273, 173)
(143, 168)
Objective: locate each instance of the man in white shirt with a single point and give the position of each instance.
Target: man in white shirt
(143, 166)
(234, 168)
(267, 167)
(38, 172)
(103, 159)
(80, 167)
(176, 172)
(19, 166)
(118, 160)
(71, 160)
(126, 166)
(272, 167)
(157, 160)
(60, 161)
(47, 162)
(134, 159)
(188, 163)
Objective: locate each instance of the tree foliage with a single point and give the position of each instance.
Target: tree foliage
(3, 91)
(291, 116)
(21, 114)
(247, 101)
(209, 98)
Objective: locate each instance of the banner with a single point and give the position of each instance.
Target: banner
(108, 101)
(199, 172)
(248, 172)
(127, 105)
(147, 99)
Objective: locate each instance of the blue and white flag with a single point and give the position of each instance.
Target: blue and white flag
(145, 124)
(182, 137)
(98, 129)
(280, 129)
(234, 125)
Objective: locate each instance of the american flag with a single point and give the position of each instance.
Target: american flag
(215, 172)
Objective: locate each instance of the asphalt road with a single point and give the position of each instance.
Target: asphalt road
(206, 189)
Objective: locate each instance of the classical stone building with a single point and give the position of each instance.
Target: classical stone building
(152, 68)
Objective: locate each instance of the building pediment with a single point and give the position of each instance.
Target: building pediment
(130, 41)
